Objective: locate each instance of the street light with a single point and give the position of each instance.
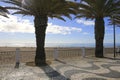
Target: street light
(114, 36)
(114, 33)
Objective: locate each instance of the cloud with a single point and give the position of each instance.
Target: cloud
(17, 24)
(85, 22)
(56, 29)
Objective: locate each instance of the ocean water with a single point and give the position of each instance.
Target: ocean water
(68, 45)
(57, 45)
(79, 45)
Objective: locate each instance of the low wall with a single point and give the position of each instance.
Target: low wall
(26, 55)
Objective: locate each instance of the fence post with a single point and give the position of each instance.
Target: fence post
(83, 52)
(55, 53)
(17, 57)
(103, 50)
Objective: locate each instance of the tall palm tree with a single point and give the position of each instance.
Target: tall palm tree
(41, 10)
(115, 19)
(98, 10)
(115, 16)
(3, 11)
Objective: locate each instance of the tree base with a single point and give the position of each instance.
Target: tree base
(34, 65)
(99, 56)
(39, 62)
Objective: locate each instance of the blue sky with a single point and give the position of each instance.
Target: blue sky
(19, 30)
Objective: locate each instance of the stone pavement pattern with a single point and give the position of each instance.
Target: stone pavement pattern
(78, 69)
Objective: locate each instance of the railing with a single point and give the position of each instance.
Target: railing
(18, 56)
(7, 57)
(24, 55)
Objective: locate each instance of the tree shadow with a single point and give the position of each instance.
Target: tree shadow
(66, 64)
(52, 73)
(60, 61)
(112, 58)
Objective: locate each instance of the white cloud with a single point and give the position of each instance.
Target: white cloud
(56, 29)
(17, 24)
(85, 22)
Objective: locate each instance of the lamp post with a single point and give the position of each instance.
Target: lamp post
(114, 36)
(114, 40)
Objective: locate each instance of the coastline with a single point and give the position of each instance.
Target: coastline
(91, 45)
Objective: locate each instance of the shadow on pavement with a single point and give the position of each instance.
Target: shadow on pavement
(53, 74)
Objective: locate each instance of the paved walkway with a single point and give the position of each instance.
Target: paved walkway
(75, 69)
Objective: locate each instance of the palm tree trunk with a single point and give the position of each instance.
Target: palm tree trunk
(99, 37)
(40, 23)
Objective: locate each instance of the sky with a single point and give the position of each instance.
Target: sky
(19, 31)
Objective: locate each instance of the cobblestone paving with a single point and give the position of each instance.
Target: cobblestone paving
(78, 69)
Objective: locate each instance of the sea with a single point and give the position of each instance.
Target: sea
(57, 45)
(79, 45)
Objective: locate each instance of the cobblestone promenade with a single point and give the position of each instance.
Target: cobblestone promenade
(67, 69)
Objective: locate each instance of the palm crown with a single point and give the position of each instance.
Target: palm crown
(98, 8)
(3, 11)
(91, 9)
(51, 8)
(115, 19)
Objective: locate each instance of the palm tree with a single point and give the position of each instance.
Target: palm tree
(3, 11)
(41, 10)
(115, 16)
(115, 19)
(98, 10)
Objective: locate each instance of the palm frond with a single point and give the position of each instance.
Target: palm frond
(51, 8)
(3, 11)
(98, 8)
